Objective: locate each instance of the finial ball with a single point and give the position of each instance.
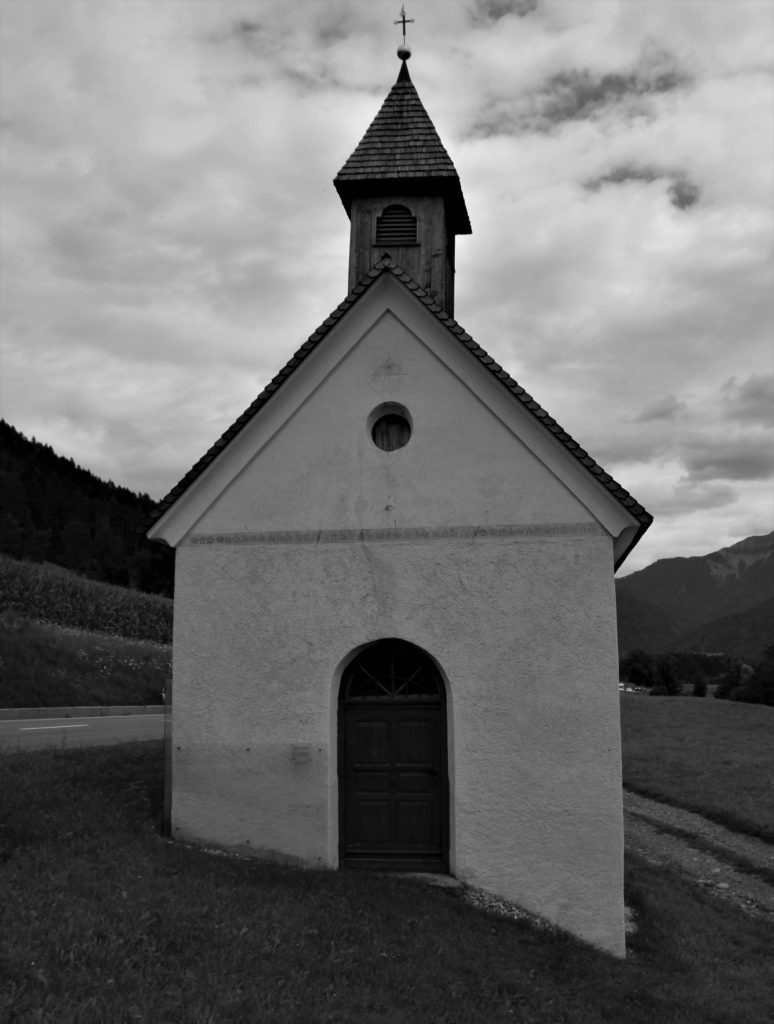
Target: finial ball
(404, 52)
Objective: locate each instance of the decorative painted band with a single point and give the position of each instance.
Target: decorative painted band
(525, 532)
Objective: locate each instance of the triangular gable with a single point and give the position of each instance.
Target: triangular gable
(538, 415)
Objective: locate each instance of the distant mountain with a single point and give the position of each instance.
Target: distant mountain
(642, 626)
(743, 635)
(52, 510)
(723, 601)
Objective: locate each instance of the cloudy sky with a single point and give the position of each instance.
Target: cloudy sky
(171, 234)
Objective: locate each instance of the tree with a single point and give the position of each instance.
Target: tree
(700, 687)
(666, 675)
(11, 535)
(36, 544)
(76, 541)
(757, 687)
(108, 555)
(637, 668)
(656, 673)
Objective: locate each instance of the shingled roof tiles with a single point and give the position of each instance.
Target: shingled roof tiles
(387, 265)
(402, 145)
(400, 142)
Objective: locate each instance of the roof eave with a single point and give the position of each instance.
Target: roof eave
(642, 527)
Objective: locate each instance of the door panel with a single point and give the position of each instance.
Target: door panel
(414, 824)
(367, 782)
(415, 740)
(411, 781)
(370, 740)
(395, 801)
(373, 822)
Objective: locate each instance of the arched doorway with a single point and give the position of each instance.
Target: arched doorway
(393, 779)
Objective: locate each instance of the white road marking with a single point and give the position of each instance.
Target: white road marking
(37, 728)
(84, 718)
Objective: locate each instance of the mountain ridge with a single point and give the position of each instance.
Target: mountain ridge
(701, 601)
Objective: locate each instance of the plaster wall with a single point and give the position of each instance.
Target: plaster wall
(523, 627)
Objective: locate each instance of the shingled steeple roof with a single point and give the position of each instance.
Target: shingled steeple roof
(401, 151)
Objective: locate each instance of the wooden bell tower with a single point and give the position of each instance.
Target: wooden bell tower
(403, 195)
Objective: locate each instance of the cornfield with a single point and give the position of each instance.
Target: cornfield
(56, 595)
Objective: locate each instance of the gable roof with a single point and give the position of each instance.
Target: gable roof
(401, 151)
(387, 266)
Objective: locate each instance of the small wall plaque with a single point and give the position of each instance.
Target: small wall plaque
(300, 753)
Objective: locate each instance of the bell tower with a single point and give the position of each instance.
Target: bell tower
(403, 195)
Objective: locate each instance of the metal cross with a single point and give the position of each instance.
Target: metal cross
(403, 20)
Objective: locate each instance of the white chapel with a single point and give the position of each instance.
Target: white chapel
(395, 625)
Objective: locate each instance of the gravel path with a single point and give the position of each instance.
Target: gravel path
(722, 862)
(709, 854)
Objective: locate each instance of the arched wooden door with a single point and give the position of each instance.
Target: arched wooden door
(393, 781)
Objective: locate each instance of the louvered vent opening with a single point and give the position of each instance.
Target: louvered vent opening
(396, 226)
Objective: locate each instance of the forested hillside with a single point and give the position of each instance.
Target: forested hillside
(52, 510)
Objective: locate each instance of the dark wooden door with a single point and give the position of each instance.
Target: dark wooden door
(393, 776)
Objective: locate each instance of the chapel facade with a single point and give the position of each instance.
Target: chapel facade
(395, 628)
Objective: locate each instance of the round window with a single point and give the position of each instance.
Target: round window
(390, 427)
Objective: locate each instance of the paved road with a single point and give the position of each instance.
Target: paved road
(33, 733)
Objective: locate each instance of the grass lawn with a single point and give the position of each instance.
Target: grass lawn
(44, 665)
(101, 920)
(711, 756)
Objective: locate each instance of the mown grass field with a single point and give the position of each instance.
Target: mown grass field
(69, 641)
(103, 921)
(44, 665)
(711, 756)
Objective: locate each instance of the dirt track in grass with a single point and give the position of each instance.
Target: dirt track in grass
(729, 865)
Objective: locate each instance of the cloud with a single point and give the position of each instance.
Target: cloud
(579, 94)
(751, 401)
(746, 457)
(668, 408)
(695, 496)
(574, 95)
(487, 11)
(669, 497)
(244, 29)
(682, 192)
(622, 174)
